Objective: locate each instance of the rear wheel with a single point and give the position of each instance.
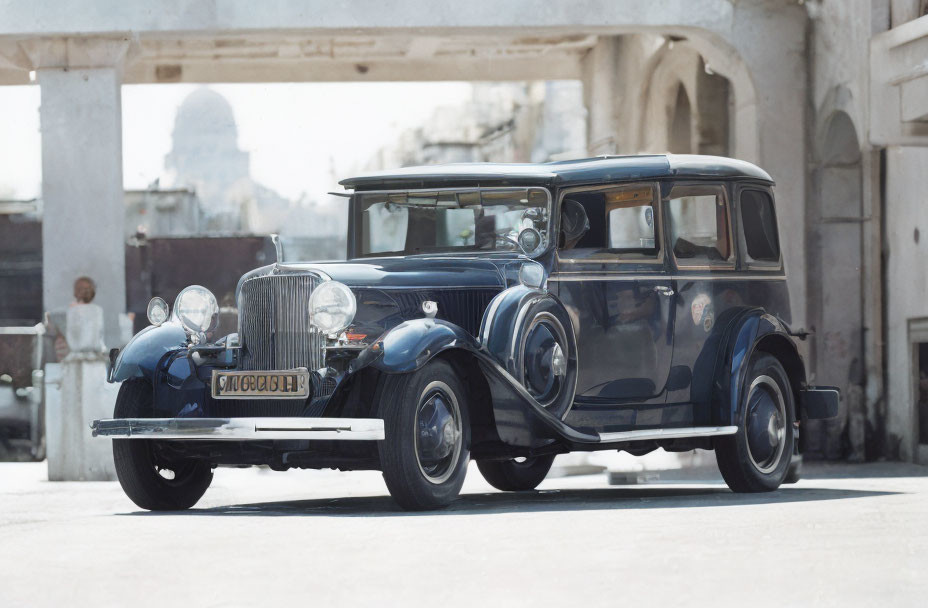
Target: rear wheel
(149, 479)
(757, 457)
(516, 475)
(426, 450)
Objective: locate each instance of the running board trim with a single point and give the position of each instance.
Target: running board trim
(652, 434)
(240, 429)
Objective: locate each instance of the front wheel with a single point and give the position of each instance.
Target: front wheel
(151, 480)
(516, 475)
(426, 450)
(757, 457)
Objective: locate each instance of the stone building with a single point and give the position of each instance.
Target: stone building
(500, 122)
(829, 96)
(162, 212)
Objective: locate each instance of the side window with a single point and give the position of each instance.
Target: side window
(759, 225)
(699, 226)
(613, 224)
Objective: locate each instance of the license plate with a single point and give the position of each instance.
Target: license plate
(282, 384)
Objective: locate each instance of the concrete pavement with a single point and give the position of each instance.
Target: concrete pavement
(846, 535)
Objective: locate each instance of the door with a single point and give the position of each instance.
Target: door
(613, 280)
(708, 291)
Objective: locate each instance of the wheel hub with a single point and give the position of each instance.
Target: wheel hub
(438, 432)
(545, 363)
(765, 424)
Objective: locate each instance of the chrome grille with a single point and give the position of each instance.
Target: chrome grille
(274, 326)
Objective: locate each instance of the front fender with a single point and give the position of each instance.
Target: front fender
(412, 344)
(141, 355)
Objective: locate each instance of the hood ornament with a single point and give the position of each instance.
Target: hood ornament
(279, 250)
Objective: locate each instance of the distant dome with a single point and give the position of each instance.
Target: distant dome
(205, 114)
(205, 155)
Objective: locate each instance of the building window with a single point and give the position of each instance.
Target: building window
(759, 225)
(699, 226)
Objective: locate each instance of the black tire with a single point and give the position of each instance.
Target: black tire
(794, 472)
(742, 470)
(514, 476)
(419, 483)
(139, 468)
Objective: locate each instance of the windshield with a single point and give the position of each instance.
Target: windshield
(451, 221)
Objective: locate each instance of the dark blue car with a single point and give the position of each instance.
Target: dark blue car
(501, 313)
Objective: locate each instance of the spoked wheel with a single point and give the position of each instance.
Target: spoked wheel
(425, 454)
(148, 478)
(757, 457)
(516, 475)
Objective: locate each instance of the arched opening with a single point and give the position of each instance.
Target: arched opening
(835, 283)
(680, 133)
(686, 105)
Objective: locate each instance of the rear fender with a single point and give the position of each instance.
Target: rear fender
(756, 331)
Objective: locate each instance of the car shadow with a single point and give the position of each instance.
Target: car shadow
(527, 502)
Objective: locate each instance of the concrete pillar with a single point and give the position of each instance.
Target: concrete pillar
(599, 91)
(76, 393)
(82, 189)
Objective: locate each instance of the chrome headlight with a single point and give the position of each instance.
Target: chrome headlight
(332, 307)
(197, 310)
(157, 311)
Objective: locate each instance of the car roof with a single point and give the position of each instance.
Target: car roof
(601, 169)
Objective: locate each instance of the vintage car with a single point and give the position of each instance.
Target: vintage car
(503, 313)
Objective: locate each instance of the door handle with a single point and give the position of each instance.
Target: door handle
(664, 290)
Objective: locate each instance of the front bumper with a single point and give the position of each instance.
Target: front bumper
(240, 429)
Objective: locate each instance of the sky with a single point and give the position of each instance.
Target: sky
(294, 131)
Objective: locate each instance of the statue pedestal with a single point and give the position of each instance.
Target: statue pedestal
(76, 394)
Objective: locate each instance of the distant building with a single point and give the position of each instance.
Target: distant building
(158, 213)
(20, 263)
(205, 158)
(501, 122)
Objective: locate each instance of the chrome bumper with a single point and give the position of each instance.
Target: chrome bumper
(240, 429)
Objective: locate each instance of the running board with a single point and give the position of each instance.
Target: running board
(240, 429)
(653, 434)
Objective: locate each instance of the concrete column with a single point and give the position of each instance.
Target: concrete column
(82, 189)
(599, 91)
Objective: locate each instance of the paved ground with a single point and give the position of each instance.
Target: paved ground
(845, 536)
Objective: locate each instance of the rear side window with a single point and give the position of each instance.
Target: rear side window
(699, 225)
(759, 225)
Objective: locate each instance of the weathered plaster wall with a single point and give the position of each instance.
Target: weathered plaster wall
(906, 283)
(843, 227)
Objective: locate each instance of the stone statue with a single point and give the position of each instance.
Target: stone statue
(84, 327)
(77, 392)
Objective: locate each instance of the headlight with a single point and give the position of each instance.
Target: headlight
(157, 311)
(197, 310)
(332, 307)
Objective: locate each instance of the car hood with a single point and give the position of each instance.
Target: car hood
(421, 272)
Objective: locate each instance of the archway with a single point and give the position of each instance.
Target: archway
(680, 125)
(686, 105)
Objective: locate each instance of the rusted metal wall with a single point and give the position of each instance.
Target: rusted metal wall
(20, 270)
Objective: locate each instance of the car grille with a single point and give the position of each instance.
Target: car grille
(274, 327)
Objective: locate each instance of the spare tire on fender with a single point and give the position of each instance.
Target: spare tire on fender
(530, 333)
